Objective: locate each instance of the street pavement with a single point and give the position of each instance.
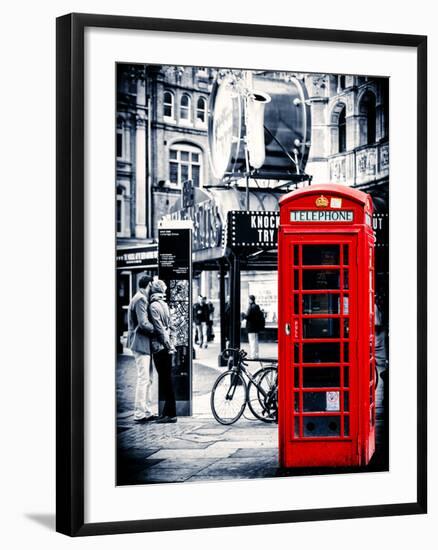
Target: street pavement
(198, 448)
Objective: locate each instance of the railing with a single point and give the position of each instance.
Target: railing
(361, 165)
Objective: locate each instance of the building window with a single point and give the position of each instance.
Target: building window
(385, 109)
(367, 110)
(119, 143)
(185, 163)
(184, 109)
(168, 105)
(201, 110)
(119, 215)
(341, 82)
(342, 131)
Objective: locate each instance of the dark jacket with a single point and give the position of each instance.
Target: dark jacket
(253, 318)
(200, 313)
(160, 317)
(139, 327)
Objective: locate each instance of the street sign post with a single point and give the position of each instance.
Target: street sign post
(175, 269)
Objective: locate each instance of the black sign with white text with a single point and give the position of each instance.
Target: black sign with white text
(137, 257)
(174, 254)
(252, 229)
(175, 269)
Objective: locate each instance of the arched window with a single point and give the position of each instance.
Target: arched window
(342, 131)
(168, 105)
(185, 163)
(184, 108)
(201, 110)
(367, 110)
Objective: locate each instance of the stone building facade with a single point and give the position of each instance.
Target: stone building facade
(161, 142)
(350, 128)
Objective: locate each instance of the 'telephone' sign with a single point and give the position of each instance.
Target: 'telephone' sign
(321, 216)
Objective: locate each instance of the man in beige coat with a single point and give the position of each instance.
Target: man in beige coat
(140, 331)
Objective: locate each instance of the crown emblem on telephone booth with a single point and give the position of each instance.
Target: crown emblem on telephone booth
(322, 201)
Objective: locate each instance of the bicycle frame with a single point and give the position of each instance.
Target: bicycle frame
(241, 368)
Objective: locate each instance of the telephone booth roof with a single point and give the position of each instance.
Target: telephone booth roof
(330, 188)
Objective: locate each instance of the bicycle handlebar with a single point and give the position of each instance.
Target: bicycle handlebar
(228, 352)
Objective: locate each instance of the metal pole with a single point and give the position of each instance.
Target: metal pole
(222, 304)
(224, 326)
(235, 302)
(247, 192)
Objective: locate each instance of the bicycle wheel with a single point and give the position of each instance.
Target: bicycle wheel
(228, 397)
(262, 395)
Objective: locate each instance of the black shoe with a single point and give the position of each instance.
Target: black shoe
(150, 418)
(167, 420)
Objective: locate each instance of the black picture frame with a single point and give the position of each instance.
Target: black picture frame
(70, 273)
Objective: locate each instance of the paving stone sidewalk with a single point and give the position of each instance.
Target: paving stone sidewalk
(195, 449)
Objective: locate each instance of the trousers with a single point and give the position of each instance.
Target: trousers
(253, 339)
(163, 364)
(201, 334)
(143, 390)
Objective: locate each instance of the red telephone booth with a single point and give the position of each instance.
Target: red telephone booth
(326, 414)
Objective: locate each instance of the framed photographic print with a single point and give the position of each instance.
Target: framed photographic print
(241, 229)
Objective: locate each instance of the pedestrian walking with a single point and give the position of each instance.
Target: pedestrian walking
(210, 322)
(163, 348)
(200, 318)
(140, 331)
(255, 322)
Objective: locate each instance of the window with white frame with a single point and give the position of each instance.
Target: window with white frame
(119, 215)
(185, 163)
(168, 105)
(184, 108)
(119, 143)
(201, 110)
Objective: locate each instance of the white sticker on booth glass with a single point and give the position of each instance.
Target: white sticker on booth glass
(335, 202)
(346, 305)
(332, 401)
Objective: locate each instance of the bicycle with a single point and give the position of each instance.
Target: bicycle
(231, 393)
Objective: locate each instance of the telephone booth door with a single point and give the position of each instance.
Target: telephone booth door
(322, 303)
